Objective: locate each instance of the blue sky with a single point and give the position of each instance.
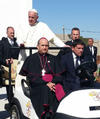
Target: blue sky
(84, 14)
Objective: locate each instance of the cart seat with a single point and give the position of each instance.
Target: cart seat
(5, 75)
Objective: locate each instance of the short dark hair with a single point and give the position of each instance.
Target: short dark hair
(77, 42)
(75, 28)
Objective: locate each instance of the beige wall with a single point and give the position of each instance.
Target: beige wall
(97, 44)
(55, 52)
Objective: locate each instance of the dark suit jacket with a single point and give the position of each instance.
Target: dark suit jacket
(89, 57)
(6, 52)
(88, 53)
(71, 81)
(65, 50)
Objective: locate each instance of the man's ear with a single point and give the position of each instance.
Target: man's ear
(72, 48)
(71, 36)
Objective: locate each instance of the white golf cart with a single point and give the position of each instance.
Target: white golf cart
(80, 104)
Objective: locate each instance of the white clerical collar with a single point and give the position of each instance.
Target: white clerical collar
(10, 41)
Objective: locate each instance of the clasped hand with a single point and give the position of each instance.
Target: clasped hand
(51, 86)
(9, 61)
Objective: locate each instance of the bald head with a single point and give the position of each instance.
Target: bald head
(43, 45)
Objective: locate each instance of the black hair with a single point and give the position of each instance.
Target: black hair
(75, 28)
(77, 42)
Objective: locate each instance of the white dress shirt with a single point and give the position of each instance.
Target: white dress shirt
(92, 50)
(10, 41)
(75, 58)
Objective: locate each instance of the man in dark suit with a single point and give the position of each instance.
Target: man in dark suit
(6, 53)
(90, 51)
(75, 34)
(70, 61)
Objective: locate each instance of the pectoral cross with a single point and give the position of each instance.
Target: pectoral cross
(43, 72)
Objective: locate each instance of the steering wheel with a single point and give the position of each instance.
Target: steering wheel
(85, 70)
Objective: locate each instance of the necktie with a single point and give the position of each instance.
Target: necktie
(77, 61)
